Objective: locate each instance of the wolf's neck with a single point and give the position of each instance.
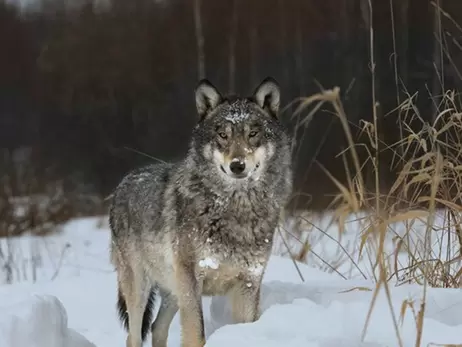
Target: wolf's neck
(228, 188)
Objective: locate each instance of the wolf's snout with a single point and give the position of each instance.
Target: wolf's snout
(237, 167)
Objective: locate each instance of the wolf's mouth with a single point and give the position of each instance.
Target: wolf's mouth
(240, 176)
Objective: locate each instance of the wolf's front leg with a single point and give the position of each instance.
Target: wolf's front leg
(245, 301)
(189, 292)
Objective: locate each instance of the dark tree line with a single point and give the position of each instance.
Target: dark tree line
(86, 86)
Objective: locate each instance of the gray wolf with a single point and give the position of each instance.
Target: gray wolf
(205, 224)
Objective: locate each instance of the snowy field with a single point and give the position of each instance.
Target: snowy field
(63, 294)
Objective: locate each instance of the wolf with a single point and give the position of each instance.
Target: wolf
(203, 225)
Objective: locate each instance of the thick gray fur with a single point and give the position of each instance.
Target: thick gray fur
(199, 226)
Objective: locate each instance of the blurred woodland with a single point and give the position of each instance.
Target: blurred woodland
(90, 90)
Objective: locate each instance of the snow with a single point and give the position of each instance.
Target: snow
(256, 270)
(338, 251)
(39, 321)
(209, 263)
(67, 298)
(237, 117)
(324, 314)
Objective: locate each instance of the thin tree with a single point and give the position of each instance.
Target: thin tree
(438, 60)
(400, 46)
(253, 54)
(283, 41)
(199, 39)
(299, 54)
(232, 47)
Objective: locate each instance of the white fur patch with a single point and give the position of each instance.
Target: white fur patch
(207, 152)
(209, 263)
(218, 157)
(262, 154)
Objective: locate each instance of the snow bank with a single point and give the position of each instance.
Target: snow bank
(334, 314)
(324, 310)
(81, 248)
(39, 321)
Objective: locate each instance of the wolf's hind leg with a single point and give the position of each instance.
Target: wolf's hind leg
(136, 291)
(167, 311)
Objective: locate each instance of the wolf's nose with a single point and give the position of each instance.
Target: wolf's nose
(237, 167)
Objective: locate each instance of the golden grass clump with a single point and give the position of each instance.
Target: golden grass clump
(420, 212)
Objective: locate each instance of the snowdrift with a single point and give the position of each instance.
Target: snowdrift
(39, 321)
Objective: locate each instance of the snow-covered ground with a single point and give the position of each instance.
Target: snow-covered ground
(64, 294)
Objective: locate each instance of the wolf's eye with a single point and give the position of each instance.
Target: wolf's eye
(253, 133)
(223, 135)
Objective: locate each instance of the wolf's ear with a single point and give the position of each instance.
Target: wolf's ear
(267, 95)
(207, 97)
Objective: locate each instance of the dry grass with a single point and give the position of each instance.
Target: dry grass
(427, 188)
(420, 212)
(36, 205)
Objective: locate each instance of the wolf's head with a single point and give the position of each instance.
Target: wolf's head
(237, 136)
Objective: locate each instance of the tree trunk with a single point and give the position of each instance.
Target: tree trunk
(232, 48)
(404, 41)
(299, 56)
(253, 55)
(199, 39)
(283, 44)
(438, 61)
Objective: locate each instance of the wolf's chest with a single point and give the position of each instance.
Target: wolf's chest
(238, 210)
(229, 229)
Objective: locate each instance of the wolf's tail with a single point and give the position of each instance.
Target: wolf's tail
(147, 315)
